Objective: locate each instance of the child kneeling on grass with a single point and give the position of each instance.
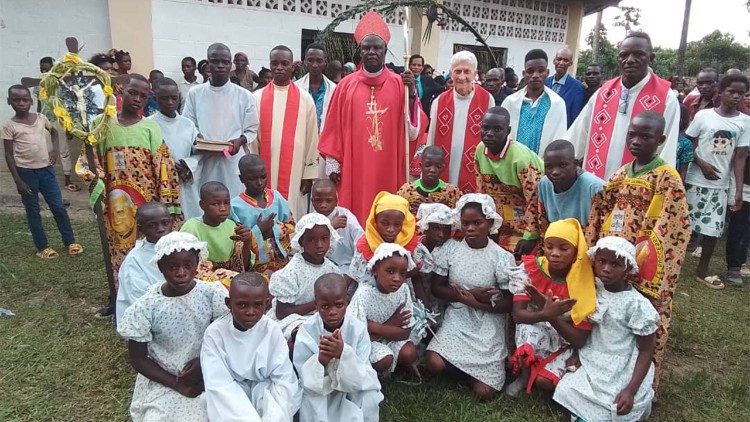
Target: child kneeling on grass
(292, 286)
(472, 274)
(386, 307)
(165, 328)
(332, 357)
(545, 335)
(137, 273)
(245, 360)
(616, 373)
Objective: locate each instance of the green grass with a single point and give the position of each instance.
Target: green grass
(58, 362)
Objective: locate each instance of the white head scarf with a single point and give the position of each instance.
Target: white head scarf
(176, 242)
(488, 208)
(387, 250)
(307, 222)
(435, 213)
(621, 247)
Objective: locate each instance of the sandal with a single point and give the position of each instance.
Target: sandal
(47, 253)
(711, 281)
(72, 188)
(75, 249)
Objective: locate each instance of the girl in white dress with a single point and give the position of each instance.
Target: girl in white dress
(292, 286)
(164, 329)
(616, 373)
(387, 309)
(472, 274)
(436, 224)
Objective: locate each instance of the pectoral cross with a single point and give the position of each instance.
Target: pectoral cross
(373, 114)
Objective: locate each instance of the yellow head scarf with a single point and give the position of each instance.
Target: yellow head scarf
(580, 278)
(385, 201)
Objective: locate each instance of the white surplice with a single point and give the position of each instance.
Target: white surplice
(579, 132)
(248, 374)
(304, 165)
(347, 389)
(304, 84)
(136, 275)
(460, 117)
(222, 113)
(179, 134)
(555, 122)
(342, 252)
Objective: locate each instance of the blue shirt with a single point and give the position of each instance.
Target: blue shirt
(572, 92)
(684, 152)
(572, 203)
(531, 121)
(420, 90)
(319, 98)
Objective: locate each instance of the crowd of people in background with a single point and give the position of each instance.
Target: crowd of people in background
(365, 219)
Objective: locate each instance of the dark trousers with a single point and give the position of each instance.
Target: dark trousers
(738, 236)
(43, 181)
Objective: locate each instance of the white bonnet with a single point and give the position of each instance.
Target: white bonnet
(621, 247)
(387, 250)
(435, 213)
(307, 222)
(488, 208)
(179, 241)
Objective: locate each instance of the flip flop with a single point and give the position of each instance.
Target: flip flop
(72, 188)
(711, 281)
(75, 249)
(47, 253)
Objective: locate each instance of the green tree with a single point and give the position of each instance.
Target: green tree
(629, 18)
(717, 50)
(665, 62)
(607, 57)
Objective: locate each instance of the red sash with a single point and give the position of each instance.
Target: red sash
(652, 97)
(286, 152)
(444, 134)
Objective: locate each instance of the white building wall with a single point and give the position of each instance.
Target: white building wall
(187, 27)
(517, 25)
(517, 48)
(30, 30)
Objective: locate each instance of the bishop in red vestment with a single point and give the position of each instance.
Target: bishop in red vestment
(369, 124)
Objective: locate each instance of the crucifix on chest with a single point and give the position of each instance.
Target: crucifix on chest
(373, 114)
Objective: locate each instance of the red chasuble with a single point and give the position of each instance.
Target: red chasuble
(467, 176)
(286, 153)
(652, 97)
(365, 133)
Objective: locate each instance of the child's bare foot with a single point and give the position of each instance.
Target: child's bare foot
(515, 388)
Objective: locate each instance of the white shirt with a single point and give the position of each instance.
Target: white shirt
(715, 147)
(248, 374)
(184, 86)
(136, 275)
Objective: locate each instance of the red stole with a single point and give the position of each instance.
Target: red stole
(652, 97)
(286, 153)
(446, 112)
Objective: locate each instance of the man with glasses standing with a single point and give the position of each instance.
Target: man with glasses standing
(598, 133)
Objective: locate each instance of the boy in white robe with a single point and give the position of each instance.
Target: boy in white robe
(246, 369)
(179, 134)
(332, 358)
(137, 273)
(325, 201)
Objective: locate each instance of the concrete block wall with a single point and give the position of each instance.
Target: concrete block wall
(186, 28)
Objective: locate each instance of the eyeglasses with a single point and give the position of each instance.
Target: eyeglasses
(622, 108)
